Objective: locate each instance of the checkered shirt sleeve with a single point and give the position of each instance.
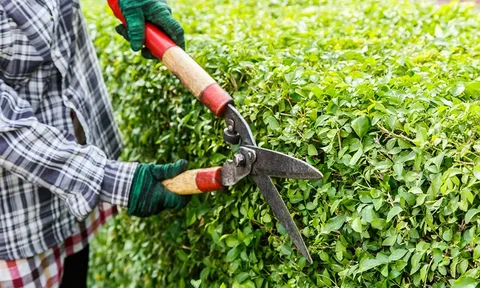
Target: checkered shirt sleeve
(41, 154)
(48, 72)
(45, 155)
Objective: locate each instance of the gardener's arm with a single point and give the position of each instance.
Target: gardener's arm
(80, 175)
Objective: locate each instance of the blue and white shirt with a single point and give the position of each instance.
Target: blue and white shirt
(48, 68)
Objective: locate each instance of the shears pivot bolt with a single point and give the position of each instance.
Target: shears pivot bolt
(239, 160)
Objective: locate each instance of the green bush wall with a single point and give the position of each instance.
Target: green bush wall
(382, 96)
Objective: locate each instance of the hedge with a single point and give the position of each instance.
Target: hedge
(382, 96)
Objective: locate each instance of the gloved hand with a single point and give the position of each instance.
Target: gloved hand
(136, 12)
(148, 196)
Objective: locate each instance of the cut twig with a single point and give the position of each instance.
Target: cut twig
(386, 131)
(339, 140)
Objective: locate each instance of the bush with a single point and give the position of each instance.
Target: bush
(381, 96)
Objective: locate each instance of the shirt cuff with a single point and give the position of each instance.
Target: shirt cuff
(117, 182)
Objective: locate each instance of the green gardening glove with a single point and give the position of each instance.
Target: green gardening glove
(136, 12)
(148, 196)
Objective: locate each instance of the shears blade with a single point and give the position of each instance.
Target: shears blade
(276, 164)
(280, 211)
(260, 164)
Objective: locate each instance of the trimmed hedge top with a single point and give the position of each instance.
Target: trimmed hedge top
(382, 96)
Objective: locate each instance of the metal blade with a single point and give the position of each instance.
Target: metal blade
(277, 164)
(281, 212)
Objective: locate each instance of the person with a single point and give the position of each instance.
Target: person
(60, 177)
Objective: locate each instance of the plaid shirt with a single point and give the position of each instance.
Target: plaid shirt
(46, 269)
(48, 68)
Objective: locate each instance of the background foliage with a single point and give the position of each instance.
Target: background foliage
(382, 96)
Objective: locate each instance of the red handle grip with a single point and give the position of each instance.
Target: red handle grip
(183, 66)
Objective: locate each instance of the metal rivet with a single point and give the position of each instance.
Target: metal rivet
(230, 125)
(239, 160)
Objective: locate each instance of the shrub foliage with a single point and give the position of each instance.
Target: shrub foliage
(381, 96)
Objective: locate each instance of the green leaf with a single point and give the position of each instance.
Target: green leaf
(457, 89)
(393, 212)
(289, 77)
(181, 254)
(447, 235)
(398, 168)
(334, 224)
(423, 272)
(311, 206)
(357, 225)
(476, 170)
(367, 214)
(231, 241)
(242, 277)
(476, 252)
(266, 218)
(233, 254)
(272, 123)
(397, 254)
(465, 282)
(416, 190)
(361, 125)
(473, 88)
(383, 165)
(463, 266)
(285, 250)
(384, 271)
(469, 215)
(390, 241)
(356, 157)
(378, 223)
(415, 261)
(196, 283)
(369, 264)
(312, 150)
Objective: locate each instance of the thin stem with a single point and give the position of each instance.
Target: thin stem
(386, 131)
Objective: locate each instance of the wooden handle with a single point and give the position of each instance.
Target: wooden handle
(197, 80)
(196, 181)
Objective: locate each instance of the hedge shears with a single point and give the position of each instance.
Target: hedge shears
(249, 160)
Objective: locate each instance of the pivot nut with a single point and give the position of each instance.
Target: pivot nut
(231, 137)
(239, 160)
